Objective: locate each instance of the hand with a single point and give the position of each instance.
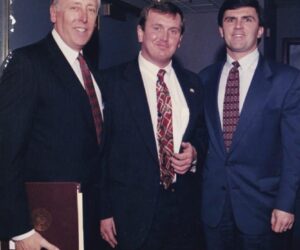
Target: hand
(182, 162)
(34, 242)
(108, 231)
(281, 221)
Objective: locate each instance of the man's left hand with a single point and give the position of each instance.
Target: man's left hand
(182, 162)
(281, 221)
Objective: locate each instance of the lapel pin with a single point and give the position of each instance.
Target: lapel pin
(192, 90)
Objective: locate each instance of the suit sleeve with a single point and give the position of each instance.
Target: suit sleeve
(105, 198)
(17, 99)
(200, 138)
(290, 134)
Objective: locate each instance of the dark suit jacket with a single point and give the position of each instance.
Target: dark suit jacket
(261, 170)
(46, 130)
(132, 174)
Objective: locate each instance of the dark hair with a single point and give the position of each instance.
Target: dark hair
(235, 4)
(163, 7)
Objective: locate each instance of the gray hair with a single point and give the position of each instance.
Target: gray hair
(55, 2)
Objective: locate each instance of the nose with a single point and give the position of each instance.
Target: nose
(83, 15)
(164, 35)
(238, 23)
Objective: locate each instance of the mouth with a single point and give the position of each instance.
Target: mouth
(81, 30)
(162, 46)
(238, 35)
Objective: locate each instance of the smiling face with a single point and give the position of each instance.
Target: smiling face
(160, 37)
(74, 21)
(240, 30)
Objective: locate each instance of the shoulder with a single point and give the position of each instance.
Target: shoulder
(210, 70)
(114, 76)
(281, 69)
(118, 71)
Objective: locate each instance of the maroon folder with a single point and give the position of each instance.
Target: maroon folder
(56, 212)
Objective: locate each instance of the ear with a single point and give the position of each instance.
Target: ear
(53, 13)
(179, 43)
(140, 33)
(221, 31)
(260, 32)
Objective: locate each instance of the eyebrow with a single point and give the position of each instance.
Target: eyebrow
(243, 17)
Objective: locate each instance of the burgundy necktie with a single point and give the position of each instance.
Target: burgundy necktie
(90, 90)
(164, 130)
(231, 112)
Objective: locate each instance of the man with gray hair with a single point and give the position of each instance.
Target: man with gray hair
(51, 123)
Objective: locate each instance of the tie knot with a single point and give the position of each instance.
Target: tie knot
(161, 74)
(80, 57)
(236, 64)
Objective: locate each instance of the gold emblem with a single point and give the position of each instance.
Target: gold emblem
(41, 219)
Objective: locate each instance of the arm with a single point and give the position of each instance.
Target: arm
(193, 152)
(17, 92)
(35, 241)
(282, 217)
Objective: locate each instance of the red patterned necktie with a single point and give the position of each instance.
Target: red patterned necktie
(90, 90)
(164, 130)
(231, 112)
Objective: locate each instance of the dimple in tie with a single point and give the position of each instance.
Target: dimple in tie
(231, 112)
(90, 90)
(164, 130)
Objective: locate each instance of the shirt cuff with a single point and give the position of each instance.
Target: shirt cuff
(23, 236)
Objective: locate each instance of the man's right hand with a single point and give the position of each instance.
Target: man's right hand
(108, 231)
(34, 242)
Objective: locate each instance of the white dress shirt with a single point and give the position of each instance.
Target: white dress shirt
(180, 110)
(247, 68)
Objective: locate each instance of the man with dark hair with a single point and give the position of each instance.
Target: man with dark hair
(49, 131)
(157, 137)
(252, 106)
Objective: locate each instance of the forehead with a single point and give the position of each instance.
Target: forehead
(79, 2)
(243, 11)
(164, 18)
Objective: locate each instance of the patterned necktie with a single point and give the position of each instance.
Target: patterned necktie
(164, 130)
(231, 112)
(90, 90)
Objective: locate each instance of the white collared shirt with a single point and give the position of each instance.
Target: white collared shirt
(180, 110)
(71, 56)
(247, 68)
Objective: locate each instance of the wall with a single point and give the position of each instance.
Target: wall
(118, 41)
(288, 25)
(32, 22)
(201, 43)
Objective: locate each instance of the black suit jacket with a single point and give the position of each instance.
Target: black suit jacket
(46, 130)
(132, 174)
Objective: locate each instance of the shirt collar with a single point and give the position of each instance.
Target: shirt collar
(70, 54)
(152, 68)
(246, 61)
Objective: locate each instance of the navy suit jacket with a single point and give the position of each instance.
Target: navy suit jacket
(46, 130)
(261, 171)
(132, 175)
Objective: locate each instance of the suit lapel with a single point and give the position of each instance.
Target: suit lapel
(256, 96)
(68, 80)
(133, 88)
(212, 110)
